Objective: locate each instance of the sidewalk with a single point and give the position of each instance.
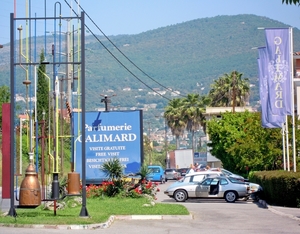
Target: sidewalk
(293, 213)
(5, 203)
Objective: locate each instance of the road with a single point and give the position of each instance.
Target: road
(209, 216)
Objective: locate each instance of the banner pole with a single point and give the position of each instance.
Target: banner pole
(292, 101)
(287, 143)
(283, 146)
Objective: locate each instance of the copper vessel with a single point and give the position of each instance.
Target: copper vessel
(73, 183)
(30, 190)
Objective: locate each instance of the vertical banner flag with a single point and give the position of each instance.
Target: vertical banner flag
(280, 89)
(267, 118)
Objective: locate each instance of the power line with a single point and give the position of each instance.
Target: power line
(122, 54)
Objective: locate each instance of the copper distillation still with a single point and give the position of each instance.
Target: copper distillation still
(30, 190)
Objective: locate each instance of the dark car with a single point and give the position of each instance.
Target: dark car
(183, 171)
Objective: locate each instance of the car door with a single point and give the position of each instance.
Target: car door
(203, 188)
(191, 188)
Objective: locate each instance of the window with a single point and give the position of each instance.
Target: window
(214, 182)
(223, 181)
(154, 170)
(198, 178)
(207, 181)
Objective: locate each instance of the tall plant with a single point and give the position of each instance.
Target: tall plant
(42, 90)
(113, 169)
(175, 119)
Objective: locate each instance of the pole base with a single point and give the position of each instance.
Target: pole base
(84, 213)
(12, 212)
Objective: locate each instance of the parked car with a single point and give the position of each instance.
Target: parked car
(183, 171)
(224, 187)
(229, 174)
(157, 173)
(172, 174)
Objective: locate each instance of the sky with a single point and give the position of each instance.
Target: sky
(116, 17)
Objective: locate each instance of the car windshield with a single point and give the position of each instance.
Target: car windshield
(170, 170)
(225, 172)
(154, 170)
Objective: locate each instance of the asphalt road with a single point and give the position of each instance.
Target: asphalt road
(209, 216)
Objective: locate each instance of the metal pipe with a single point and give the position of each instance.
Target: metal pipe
(83, 212)
(12, 211)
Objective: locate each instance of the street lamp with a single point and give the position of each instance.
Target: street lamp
(106, 100)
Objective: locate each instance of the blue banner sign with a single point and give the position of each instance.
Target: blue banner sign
(109, 135)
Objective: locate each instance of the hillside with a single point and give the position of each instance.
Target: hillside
(186, 57)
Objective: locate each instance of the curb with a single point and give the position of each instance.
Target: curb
(101, 225)
(65, 227)
(265, 205)
(154, 217)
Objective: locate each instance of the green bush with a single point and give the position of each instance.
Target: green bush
(280, 188)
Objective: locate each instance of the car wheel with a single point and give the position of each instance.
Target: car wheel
(231, 196)
(162, 180)
(180, 195)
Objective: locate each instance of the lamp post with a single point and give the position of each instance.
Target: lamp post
(106, 100)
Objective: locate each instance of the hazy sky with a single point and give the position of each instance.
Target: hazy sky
(115, 17)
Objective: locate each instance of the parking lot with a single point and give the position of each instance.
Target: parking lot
(207, 216)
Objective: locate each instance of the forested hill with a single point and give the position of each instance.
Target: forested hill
(186, 57)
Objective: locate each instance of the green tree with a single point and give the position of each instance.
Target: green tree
(175, 118)
(4, 98)
(230, 90)
(42, 90)
(240, 142)
(291, 2)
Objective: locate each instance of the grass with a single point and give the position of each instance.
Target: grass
(99, 210)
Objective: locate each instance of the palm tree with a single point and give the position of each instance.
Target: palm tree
(193, 114)
(291, 2)
(230, 90)
(219, 92)
(175, 118)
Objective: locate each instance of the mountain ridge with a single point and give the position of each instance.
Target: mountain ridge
(186, 57)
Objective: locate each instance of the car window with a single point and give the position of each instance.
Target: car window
(186, 179)
(214, 181)
(198, 178)
(154, 170)
(207, 181)
(234, 180)
(223, 181)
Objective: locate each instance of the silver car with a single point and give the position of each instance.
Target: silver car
(229, 189)
(172, 174)
(229, 173)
